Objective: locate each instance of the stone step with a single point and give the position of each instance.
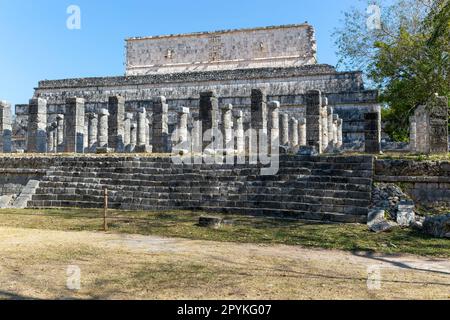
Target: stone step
(207, 200)
(251, 180)
(129, 166)
(296, 190)
(267, 212)
(231, 195)
(182, 186)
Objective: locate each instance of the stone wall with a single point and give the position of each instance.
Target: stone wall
(427, 182)
(15, 172)
(290, 45)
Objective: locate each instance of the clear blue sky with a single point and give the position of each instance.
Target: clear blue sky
(36, 44)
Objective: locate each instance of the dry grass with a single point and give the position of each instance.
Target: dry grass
(182, 224)
(114, 266)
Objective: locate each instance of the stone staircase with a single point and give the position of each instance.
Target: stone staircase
(324, 188)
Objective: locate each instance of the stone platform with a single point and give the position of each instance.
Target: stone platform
(334, 189)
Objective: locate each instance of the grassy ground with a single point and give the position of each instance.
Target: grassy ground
(34, 265)
(182, 224)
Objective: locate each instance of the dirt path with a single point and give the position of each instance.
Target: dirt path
(34, 264)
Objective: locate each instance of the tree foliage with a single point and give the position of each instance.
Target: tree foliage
(407, 57)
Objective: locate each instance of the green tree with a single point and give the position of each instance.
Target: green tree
(406, 56)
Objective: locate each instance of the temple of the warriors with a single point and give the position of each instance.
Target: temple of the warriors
(254, 91)
(281, 60)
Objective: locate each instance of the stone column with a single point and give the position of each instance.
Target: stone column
(314, 121)
(116, 130)
(284, 129)
(86, 135)
(92, 132)
(55, 137)
(133, 137)
(160, 137)
(293, 133)
(50, 141)
(74, 130)
(5, 127)
(330, 124)
(274, 126)
(302, 132)
(438, 124)
(412, 134)
(227, 127)
(127, 129)
(149, 129)
(372, 132)
(182, 138)
(208, 115)
(335, 129)
(339, 133)
(239, 131)
(60, 133)
(196, 132)
(102, 139)
(141, 140)
(259, 115)
(324, 117)
(37, 126)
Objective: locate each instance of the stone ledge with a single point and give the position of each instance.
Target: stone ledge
(413, 179)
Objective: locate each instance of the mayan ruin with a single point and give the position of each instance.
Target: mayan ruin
(209, 132)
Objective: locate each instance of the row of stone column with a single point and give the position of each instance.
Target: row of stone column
(321, 129)
(109, 130)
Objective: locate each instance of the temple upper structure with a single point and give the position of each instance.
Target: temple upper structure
(280, 46)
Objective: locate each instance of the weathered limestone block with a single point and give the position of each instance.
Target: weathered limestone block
(103, 123)
(239, 131)
(60, 133)
(5, 127)
(432, 126)
(160, 138)
(284, 129)
(372, 132)
(302, 132)
(293, 133)
(210, 222)
(405, 213)
(209, 112)
(92, 132)
(437, 226)
(227, 127)
(37, 126)
(314, 120)
(116, 130)
(74, 129)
